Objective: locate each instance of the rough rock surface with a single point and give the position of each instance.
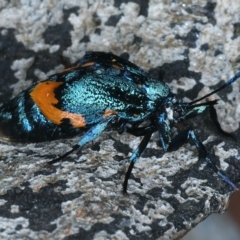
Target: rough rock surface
(192, 47)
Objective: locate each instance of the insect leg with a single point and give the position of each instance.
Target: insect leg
(185, 135)
(89, 136)
(141, 131)
(135, 156)
(75, 147)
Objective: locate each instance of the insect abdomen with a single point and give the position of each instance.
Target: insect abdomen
(21, 120)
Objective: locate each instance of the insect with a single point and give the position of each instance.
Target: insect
(104, 91)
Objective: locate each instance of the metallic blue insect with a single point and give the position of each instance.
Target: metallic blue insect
(103, 92)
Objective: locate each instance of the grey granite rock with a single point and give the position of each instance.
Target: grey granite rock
(193, 47)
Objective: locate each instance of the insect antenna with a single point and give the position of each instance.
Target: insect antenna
(208, 103)
(229, 82)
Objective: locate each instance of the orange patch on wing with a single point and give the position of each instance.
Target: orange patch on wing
(69, 69)
(117, 66)
(44, 97)
(109, 112)
(88, 64)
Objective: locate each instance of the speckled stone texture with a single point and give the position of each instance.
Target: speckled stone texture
(192, 46)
